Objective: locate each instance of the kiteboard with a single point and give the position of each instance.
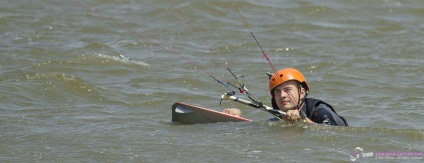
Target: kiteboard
(183, 113)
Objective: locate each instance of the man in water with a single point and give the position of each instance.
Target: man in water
(289, 91)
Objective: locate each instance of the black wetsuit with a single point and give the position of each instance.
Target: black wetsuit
(320, 112)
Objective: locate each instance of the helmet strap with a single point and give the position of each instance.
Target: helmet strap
(301, 101)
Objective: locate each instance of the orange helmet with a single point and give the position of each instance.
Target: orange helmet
(284, 75)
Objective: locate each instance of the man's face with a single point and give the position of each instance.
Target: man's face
(286, 95)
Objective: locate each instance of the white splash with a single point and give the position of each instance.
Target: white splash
(123, 59)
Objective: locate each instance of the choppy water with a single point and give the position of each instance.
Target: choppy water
(75, 87)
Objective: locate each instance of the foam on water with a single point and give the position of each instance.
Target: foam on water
(123, 59)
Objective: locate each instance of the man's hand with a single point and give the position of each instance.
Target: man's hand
(233, 111)
(294, 116)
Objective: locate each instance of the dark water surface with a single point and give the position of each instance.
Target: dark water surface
(76, 87)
